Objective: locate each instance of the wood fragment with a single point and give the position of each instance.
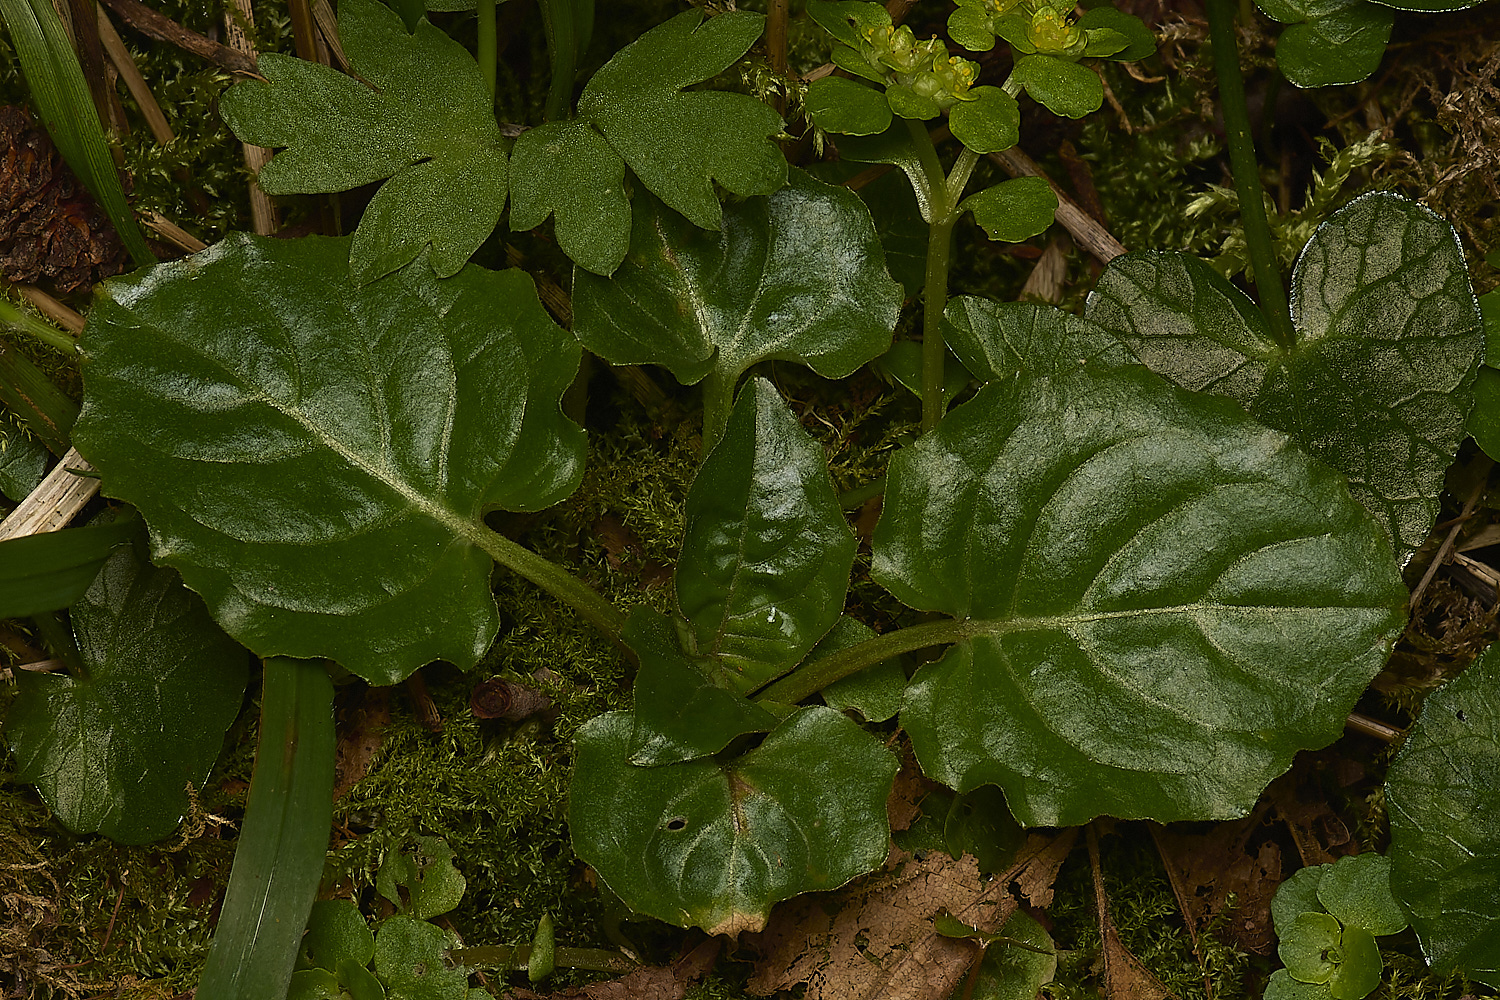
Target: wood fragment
(125, 65)
(265, 220)
(1090, 235)
(56, 500)
(328, 28)
(173, 233)
(49, 307)
(153, 25)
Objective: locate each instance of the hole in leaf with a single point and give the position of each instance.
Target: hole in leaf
(1460, 716)
(676, 823)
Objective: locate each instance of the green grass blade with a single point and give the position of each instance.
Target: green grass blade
(31, 395)
(279, 860)
(53, 570)
(61, 97)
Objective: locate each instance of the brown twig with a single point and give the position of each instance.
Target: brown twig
(1090, 235)
(153, 25)
(125, 65)
(1447, 546)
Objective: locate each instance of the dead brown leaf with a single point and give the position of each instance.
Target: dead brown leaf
(1125, 978)
(875, 940)
(1236, 861)
(668, 982)
(361, 730)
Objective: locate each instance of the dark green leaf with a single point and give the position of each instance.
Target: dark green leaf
(980, 823)
(425, 120)
(53, 570)
(680, 713)
(998, 341)
(989, 123)
(1013, 210)
(1159, 601)
(902, 365)
(1298, 894)
(875, 692)
(1330, 42)
(679, 142)
(112, 752)
(1445, 823)
(714, 845)
(23, 461)
(359, 982)
(420, 878)
(1484, 419)
(845, 19)
(566, 169)
(1306, 944)
(1431, 6)
(1357, 890)
(1142, 43)
(1062, 87)
(766, 551)
(409, 959)
(798, 277)
(839, 105)
(314, 984)
(1009, 973)
(336, 931)
(315, 457)
(1379, 382)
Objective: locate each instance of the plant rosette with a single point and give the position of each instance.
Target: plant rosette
(1327, 918)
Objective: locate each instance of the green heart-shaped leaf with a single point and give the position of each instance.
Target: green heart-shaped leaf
(679, 143)
(680, 713)
(316, 457)
(418, 113)
(336, 931)
(113, 751)
(1309, 945)
(1141, 43)
(567, 170)
(1013, 210)
(839, 105)
(1062, 87)
(1380, 380)
(1357, 976)
(989, 123)
(1357, 891)
(1298, 894)
(1158, 601)
(766, 551)
(1445, 823)
(714, 844)
(799, 276)
(1329, 42)
(421, 879)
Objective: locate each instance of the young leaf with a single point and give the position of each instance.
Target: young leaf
(766, 552)
(680, 713)
(54, 569)
(422, 116)
(1357, 890)
(1329, 42)
(421, 879)
(1445, 823)
(989, 123)
(1381, 377)
(799, 276)
(1013, 210)
(409, 959)
(714, 845)
(566, 169)
(838, 105)
(336, 931)
(23, 460)
(1062, 87)
(1158, 601)
(112, 751)
(315, 456)
(998, 341)
(679, 142)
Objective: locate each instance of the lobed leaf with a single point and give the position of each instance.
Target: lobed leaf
(112, 751)
(1063, 88)
(799, 276)
(1445, 823)
(419, 113)
(566, 169)
(1380, 380)
(315, 457)
(1157, 600)
(714, 844)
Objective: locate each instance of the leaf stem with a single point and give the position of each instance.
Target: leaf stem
(592, 606)
(718, 400)
(934, 298)
(815, 676)
(1273, 301)
(284, 838)
(487, 50)
(39, 329)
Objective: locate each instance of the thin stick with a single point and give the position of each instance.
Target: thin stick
(262, 211)
(1083, 227)
(49, 307)
(776, 19)
(1447, 546)
(173, 233)
(153, 25)
(56, 500)
(120, 56)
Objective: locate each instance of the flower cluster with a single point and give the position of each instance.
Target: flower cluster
(924, 67)
(1033, 27)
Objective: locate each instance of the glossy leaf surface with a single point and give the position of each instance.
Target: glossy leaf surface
(1380, 380)
(839, 105)
(766, 551)
(713, 844)
(680, 712)
(1013, 210)
(998, 341)
(425, 120)
(1158, 601)
(1329, 42)
(799, 276)
(1445, 823)
(1357, 890)
(54, 569)
(112, 752)
(679, 143)
(315, 457)
(1063, 88)
(567, 170)
(875, 692)
(989, 123)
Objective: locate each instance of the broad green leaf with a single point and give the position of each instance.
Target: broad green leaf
(1484, 418)
(422, 117)
(845, 19)
(998, 341)
(1357, 890)
(421, 879)
(567, 170)
(1013, 210)
(1306, 945)
(969, 26)
(1158, 601)
(1431, 6)
(679, 143)
(902, 365)
(315, 457)
(409, 959)
(680, 712)
(23, 460)
(359, 982)
(989, 123)
(1141, 42)
(714, 844)
(1062, 87)
(1282, 986)
(908, 103)
(839, 105)
(766, 551)
(1379, 382)
(893, 146)
(1357, 976)
(336, 931)
(52, 570)
(875, 692)
(112, 752)
(1445, 823)
(1298, 894)
(980, 823)
(1329, 42)
(798, 276)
